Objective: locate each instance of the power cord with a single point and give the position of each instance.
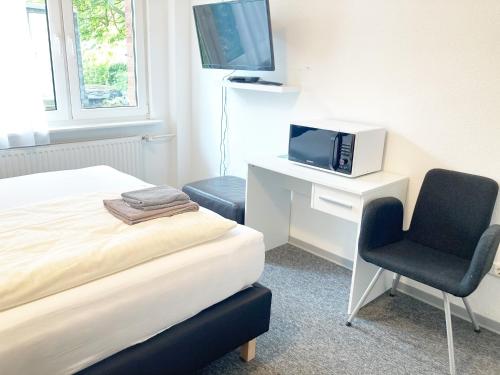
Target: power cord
(224, 128)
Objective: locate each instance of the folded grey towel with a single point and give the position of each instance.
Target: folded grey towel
(155, 196)
(129, 215)
(158, 206)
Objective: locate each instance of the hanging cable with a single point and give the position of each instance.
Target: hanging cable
(225, 135)
(224, 128)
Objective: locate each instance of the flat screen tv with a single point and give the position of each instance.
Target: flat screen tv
(235, 35)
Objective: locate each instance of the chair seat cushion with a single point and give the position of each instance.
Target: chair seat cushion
(423, 264)
(224, 195)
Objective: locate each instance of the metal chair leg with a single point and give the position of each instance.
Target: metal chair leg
(449, 333)
(364, 297)
(477, 328)
(395, 283)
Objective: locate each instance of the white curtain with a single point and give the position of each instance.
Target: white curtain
(23, 121)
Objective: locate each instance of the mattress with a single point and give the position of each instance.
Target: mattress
(71, 330)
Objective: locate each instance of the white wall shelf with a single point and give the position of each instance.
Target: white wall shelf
(265, 88)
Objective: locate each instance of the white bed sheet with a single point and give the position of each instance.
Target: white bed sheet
(71, 330)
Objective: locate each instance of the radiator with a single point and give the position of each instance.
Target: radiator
(124, 154)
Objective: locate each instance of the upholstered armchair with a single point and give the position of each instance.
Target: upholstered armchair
(450, 244)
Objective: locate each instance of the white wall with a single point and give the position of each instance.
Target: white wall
(179, 82)
(426, 70)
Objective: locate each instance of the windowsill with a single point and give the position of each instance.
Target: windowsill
(104, 125)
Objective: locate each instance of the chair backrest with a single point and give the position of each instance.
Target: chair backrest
(453, 210)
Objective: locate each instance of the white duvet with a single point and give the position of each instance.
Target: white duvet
(57, 245)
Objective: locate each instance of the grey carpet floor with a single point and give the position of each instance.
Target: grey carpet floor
(391, 335)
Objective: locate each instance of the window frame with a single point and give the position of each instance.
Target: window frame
(69, 108)
(57, 55)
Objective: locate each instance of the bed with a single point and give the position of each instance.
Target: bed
(173, 314)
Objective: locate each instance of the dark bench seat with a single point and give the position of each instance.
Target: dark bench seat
(224, 195)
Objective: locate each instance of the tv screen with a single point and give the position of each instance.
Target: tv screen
(235, 35)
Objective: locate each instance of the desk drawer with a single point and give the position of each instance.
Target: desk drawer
(336, 202)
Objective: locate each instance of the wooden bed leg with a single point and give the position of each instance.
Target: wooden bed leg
(247, 350)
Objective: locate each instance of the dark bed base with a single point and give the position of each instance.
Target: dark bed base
(194, 343)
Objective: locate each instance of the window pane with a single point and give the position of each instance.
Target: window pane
(104, 32)
(39, 31)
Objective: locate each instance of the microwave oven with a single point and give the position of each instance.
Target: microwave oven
(345, 148)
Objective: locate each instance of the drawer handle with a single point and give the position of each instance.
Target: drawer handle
(334, 201)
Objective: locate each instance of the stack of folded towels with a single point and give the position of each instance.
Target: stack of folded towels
(151, 203)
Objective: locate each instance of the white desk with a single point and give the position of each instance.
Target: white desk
(270, 183)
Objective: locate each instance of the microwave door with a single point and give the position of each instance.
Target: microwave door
(335, 152)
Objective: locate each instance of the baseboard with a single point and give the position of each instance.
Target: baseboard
(343, 262)
(458, 311)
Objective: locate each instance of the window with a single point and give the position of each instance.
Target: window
(92, 55)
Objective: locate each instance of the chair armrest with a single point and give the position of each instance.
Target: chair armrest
(482, 260)
(382, 223)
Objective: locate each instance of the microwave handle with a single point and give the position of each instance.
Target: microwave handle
(334, 159)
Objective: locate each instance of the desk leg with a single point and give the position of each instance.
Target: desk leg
(267, 206)
(364, 272)
(362, 275)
